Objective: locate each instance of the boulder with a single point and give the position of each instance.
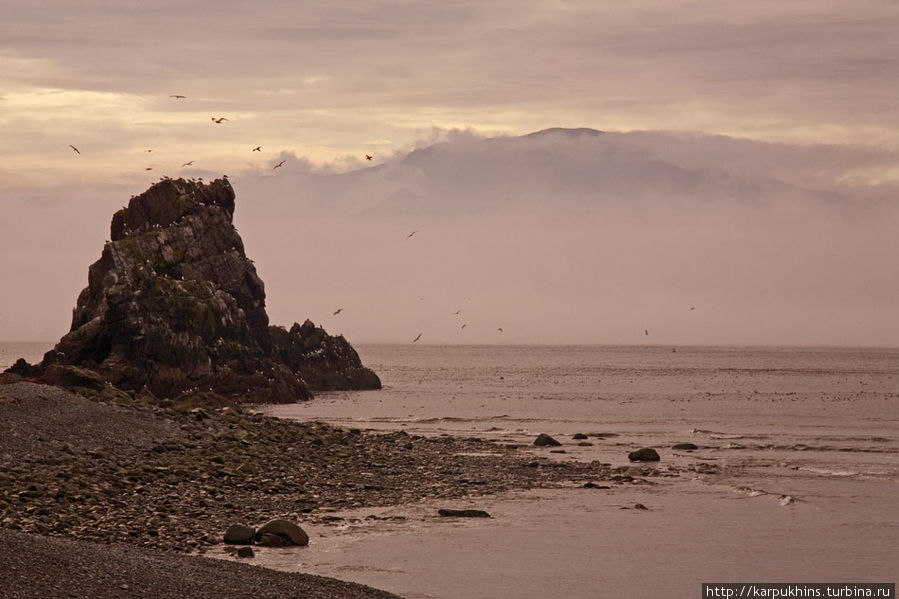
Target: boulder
(592, 485)
(448, 513)
(23, 369)
(71, 377)
(544, 440)
(246, 552)
(579, 436)
(685, 446)
(645, 454)
(175, 306)
(281, 533)
(272, 540)
(239, 534)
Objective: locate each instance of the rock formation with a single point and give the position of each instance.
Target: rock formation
(174, 305)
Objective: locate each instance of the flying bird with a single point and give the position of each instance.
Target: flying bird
(219, 120)
(77, 151)
(149, 168)
(411, 234)
(417, 338)
(457, 312)
(368, 157)
(257, 149)
(148, 150)
(463, 327)
(338, 311)
(500, 329)
(177, 96)
(279, 164)
(188, 163)
(692, 307)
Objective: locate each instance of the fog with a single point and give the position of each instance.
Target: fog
(559, 237)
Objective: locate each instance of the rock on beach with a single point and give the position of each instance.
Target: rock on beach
(281, 533)
(239, 534)
(685, 446)
(645, 454)
(450, 513)
(544, 440)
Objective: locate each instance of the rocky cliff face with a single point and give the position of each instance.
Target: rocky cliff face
(175, 305)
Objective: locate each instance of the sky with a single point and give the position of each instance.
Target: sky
(748, 167)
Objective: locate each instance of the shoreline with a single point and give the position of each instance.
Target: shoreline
(126, 472)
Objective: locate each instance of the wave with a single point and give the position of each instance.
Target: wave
(783, 500)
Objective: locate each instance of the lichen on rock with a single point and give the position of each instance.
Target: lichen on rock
(174, 305)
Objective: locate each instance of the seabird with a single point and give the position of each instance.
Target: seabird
(338, 311)
(368, 157)
(77, 151)
(500, 329)
(218, 120)
(148, 150)
(178, 96)
(411, 234)
(149, 168)
(417, 338)
(463, 326)
(279, 164)
(257, 149)
(188, 163)
(646, 331)
(692, 307)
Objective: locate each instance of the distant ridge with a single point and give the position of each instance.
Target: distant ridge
(577, 132)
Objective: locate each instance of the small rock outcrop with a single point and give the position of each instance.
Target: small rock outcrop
(174, 305)
(239, 534)
(281, 533)
(450, 513)
(645, 454)
(685, 446)
(544, 440)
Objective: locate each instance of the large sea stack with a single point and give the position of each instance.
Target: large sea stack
(174, 305)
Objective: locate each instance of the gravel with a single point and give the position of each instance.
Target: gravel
(127, 473)
(35, 567)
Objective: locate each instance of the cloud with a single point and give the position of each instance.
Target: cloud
(580, 237)
(798, 70)
(557, 237)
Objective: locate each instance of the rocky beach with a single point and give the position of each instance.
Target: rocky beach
(122, 472)
(175, 478)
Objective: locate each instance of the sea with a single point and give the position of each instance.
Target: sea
(805, 444)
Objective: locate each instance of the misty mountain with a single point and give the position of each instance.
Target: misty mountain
(558, 236)
(553, 168)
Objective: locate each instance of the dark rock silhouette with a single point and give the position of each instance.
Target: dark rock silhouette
(174, 305)
(544, 440)
(644, 454)
(281, 533)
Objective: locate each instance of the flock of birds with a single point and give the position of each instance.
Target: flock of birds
(221, 119)
(218, 120)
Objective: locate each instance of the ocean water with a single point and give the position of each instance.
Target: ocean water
(805, 441)
(32, 351)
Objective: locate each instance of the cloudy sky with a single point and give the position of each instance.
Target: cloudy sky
(772, 100)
